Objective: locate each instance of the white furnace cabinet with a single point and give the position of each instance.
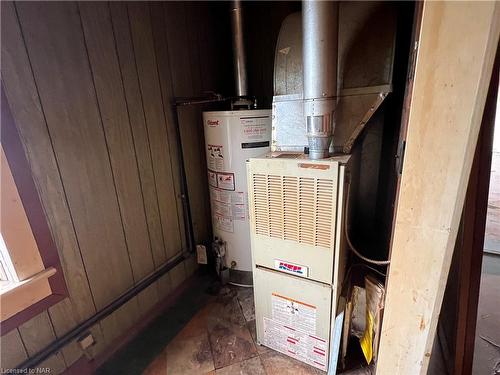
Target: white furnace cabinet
(298, 250)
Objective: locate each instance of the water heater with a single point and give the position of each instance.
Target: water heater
(232, 137)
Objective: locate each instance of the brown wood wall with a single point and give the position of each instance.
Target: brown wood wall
(90, 87)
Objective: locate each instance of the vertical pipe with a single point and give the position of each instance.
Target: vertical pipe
(186, 207)
(239, 59)
(320, 34)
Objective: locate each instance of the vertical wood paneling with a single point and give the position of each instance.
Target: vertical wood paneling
(37, 333)
(193, 148)
(67, 95)
(100, 44)
(64, 317)
(148, 298)
(178, 43)
(194, 123)
(164, 285)
(21, 92)
(100, 343)
(138, 123)
(208, 48)
(55, 363)
(90, 86)
(191, 128)
(110, 93)
(191, 265)
(178, 275)
(12, 351)
(193, 19)
(156, 124)
(164, 73)
(120, 321)
(71, 353)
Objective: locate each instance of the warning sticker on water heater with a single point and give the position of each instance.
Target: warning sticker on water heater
(233, 197)
(222, 209)
(212, 178)
(229, 204)
(224, 223)
(215, 159)
(295, 343)
(293, 313)
(225, 181)
(255, 129)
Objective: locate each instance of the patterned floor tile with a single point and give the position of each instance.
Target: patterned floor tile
(245, 298)
(278, 364)
(189, 355)
(227, 308)
(230, 343)
(253, 332)
(198, 324)
(252, 366)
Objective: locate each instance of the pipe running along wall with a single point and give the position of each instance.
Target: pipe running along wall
(320, 50)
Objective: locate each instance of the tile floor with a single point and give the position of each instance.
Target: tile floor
(486, 354)
(492, 233)
(205, 334)
(220, 339)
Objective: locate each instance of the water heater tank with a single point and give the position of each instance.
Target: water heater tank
(232, 137)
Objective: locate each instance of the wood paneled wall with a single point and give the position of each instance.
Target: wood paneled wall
(90, 86)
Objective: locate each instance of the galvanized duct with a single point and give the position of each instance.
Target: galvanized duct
(320, 40)
(239, 58)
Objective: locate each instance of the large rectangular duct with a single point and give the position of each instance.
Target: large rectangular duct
(366, 37)
(320, 39)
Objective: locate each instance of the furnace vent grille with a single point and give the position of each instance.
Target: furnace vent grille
(299, 209)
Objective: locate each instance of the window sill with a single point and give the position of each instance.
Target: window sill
(18, 296)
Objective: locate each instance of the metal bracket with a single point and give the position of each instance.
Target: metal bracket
(400, 157)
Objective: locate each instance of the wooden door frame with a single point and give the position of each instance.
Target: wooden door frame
(475, 208)
(474, 226)
(445, 113)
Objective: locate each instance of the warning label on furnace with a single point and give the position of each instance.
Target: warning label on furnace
(296, 314)
(295, 343)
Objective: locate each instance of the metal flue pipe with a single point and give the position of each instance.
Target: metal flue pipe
(320, 50)
(239, 58)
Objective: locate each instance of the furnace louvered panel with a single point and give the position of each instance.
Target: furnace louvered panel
(299, 251)
(324, 210)
(261, 207)
(292, 208)
(275, 200)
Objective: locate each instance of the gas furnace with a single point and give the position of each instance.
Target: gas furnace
(297, 208)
